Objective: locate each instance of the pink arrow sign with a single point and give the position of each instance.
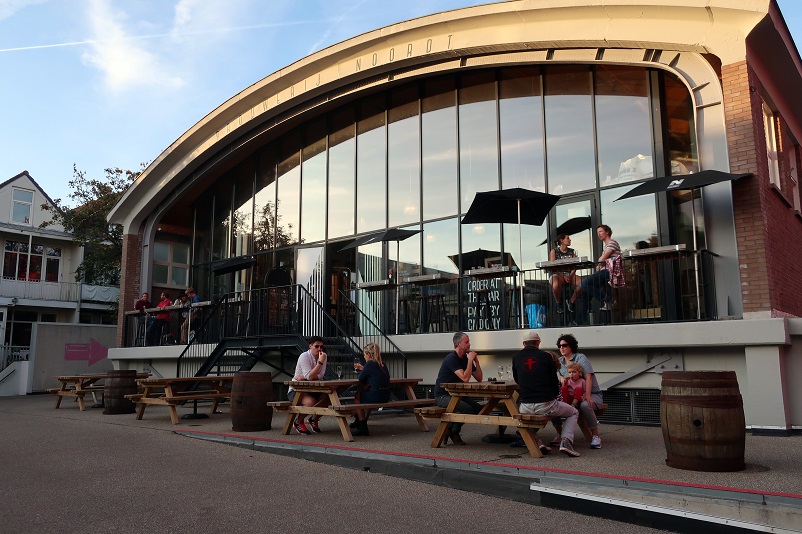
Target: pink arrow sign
(92, 352)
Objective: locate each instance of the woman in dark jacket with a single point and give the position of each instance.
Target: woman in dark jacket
(374, 384)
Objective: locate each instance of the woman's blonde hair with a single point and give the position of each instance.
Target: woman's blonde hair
(374, 351)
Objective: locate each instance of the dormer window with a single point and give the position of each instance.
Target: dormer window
(21, 206)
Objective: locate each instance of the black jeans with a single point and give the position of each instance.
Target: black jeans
(466, 405)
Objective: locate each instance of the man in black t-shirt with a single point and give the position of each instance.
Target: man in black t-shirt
(459, 365)
(535, 371)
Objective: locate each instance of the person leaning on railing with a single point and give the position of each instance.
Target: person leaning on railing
(155, 328)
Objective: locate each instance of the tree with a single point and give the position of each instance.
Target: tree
(103, 242)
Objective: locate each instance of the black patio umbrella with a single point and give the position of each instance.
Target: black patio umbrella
(680, 182)
(572, 226)
(391, 234)
(477, 257)
(517, 206)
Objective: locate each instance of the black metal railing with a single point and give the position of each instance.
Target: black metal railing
(244, 323)
(665, 284)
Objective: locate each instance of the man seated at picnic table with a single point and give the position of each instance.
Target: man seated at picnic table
(311, 366)
(535, 371)
(459, 365)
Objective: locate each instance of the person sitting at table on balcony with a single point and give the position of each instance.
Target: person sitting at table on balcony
(374, 385)
(311, 366)
(592, 395)
(162, 318)
(565, 278)
(608, 269)
(534, 371)
(459, 365)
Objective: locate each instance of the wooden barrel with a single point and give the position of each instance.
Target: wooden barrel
(116, 387)
(702, 416)
(250, 393)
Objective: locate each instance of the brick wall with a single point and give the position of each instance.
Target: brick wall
(764, 221)
(131, 266)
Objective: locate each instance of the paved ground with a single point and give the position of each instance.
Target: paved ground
(65, 468)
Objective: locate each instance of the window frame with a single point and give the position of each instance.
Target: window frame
(171, 264)
(15, 202)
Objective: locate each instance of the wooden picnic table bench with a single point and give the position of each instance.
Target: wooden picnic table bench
(499, 393)
(79, 385)
(333, 405)
(171, 392)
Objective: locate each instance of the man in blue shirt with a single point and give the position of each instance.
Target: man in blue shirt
(459, 365)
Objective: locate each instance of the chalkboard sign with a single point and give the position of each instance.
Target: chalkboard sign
(484, 303)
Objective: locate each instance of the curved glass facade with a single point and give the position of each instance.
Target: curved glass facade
(414, 156)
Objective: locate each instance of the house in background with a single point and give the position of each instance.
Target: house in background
(38, 273)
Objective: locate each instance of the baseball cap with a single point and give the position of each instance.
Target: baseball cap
(532, 336)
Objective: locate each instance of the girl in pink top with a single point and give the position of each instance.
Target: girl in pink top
(573, 387)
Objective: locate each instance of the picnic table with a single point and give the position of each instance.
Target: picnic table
(79, 385)
(173, 391)
(500, 394)
(339, 409)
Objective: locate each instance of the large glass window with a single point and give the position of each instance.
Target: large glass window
(289, 187)
(313, 179)
(521, 129)
(569, 130)
(342, 173)
(22, 204)
(439, 243)
(170, 264)
(39, 263)
(264, 222)
(403, 157)
(409, 254)
(243, 208)
(623, 124)
(481, 246)
(371, 191)
(633, 220)
(679, 115)
(221, 230)
(478, 138)
(439, 142)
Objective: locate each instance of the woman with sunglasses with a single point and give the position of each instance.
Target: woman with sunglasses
(569, 352)
(311, 366)
(374, 384)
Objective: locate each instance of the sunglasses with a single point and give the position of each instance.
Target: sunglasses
(318, 346)
(561, 345)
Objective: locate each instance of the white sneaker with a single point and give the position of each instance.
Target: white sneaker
(595, 443)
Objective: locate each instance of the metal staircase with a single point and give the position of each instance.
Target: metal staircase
(272, 326)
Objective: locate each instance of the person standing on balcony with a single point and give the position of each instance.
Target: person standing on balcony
(459, 365)
(311, 366)
(192, 315)
(143, 321)
(160, 321)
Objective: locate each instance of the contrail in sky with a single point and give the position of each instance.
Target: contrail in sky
(160, 35)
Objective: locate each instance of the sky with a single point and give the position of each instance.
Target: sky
(112, 83)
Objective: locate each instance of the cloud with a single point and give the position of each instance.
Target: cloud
(336, 23)
(123, 60)
(9, 7)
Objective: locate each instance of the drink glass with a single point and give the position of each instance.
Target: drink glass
(339, 371)
(501, 372)
(509, 372)
(356, 362)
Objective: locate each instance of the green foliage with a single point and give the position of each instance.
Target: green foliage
(103, 242)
